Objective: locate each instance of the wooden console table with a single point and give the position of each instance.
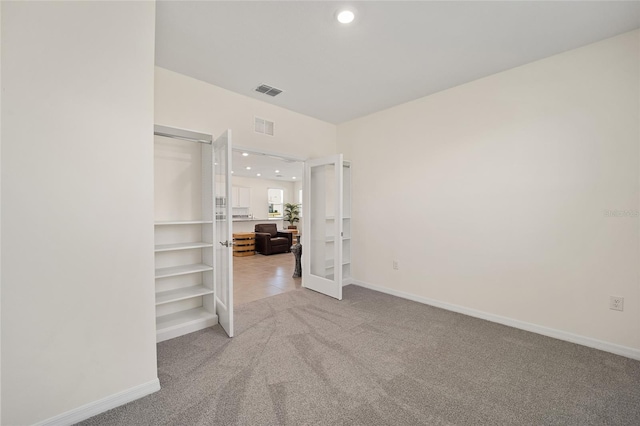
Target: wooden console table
(244, 244)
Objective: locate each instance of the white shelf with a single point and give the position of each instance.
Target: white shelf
(181, 246)
(334, 218)
(183, 317)
(191, 308)
(181, 294)
(332, 239)
(329, 263)
(182, 270)
(183, 222)
(179, 323)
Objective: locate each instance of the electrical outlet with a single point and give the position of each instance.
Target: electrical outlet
(395, 265)
(616, 303)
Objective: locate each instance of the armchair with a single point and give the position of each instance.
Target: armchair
(270, 241)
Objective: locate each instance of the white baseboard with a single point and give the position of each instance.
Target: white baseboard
(100, 406)
(347, 281)
(185, 328)
(545, 331)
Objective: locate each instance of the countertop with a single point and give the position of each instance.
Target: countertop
(255, 220)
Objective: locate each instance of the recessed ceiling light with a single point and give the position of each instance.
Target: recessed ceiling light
(345, 17)
(293, 177)
(248, 167)
(231, 171)
(277, 171)
(258, 174)
(245, 154)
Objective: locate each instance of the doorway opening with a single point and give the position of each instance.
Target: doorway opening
(263, 183)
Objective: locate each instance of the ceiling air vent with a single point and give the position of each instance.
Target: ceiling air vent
(264, 126)
(268, 90)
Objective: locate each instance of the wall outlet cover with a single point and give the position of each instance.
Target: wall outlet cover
(616, 303)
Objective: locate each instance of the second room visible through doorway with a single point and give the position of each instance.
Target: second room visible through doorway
(262, 184)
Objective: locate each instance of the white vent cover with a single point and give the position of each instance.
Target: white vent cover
(264, 126)
(268, 90)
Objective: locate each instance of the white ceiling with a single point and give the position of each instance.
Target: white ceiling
(265, 164)
(394, 51)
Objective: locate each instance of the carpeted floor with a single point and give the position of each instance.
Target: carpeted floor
(301, 358)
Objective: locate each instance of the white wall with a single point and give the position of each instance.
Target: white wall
(296, 199)
(0, 214)
(491, 195)
(177, 179)
(184, 102)
(259, 201)
(259, 187)
(77, 205)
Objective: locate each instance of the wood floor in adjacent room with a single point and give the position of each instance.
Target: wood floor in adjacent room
(259, 276)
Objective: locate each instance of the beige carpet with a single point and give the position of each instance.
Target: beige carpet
(301, 358)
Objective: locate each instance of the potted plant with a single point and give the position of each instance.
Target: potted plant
(292, 214)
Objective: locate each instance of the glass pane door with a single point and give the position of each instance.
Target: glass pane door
(322, 236)
(223, 271)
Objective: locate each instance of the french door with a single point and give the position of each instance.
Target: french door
(322, 236)
(223, 259)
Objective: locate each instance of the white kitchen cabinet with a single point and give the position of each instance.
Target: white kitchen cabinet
(241, 197)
